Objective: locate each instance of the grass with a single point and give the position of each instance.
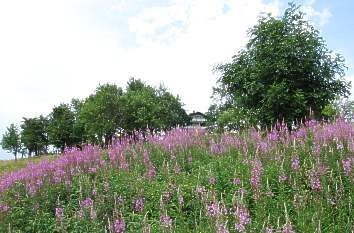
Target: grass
(12, 165)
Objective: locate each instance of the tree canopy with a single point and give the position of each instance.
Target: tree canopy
(284, 71)
(34, 134)
(11, 140)
(61, 127)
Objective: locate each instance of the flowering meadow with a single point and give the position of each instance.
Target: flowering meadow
(191, 181)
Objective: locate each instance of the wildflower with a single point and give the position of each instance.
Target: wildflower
(139, 204)
(151, 173)
(256, 176)
(347, 166)
(211, 180)
(213, 209)
(166, 221)
(166, 196)
(120, 200)
(315, 183)
(243, 218)
(88, 202)
(200, 189)
(4, 208)
(282, 178)
(146, 158)
(288, 228)
(119, 225)
(269, 229)
(221, 228)
(237, 181)
(59, 214)
(295, 163)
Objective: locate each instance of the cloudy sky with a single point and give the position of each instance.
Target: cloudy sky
(52, 51)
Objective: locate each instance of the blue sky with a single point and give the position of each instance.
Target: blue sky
(52, 51)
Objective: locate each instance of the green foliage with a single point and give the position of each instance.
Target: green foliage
(151, 108)
(101, 114)
(34, 135)
(61, 127)
(11, 140)
(285, 70)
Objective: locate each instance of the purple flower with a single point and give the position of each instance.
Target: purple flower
(200, 189)
(237, 181)
(213, 209)
(139, 204)
(119, 225)
(120, 200)
(282, 178)
(256, 176)
(166, 196)
(288, 228)
(4, 208)
(166, 221)
(59, 214)
(221, 228)
(347, 166)
(151, 173)
(315, 183)
(88, 202)
(211, 180)
(242, 218)
(295, 163)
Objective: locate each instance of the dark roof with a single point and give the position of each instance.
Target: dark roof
(196, 113)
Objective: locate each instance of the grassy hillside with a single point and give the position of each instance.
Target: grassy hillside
(191, 181)
(11, 165)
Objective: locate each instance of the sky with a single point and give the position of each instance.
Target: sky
(53, 51)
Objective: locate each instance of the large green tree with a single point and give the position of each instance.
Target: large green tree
(34, 135)
(284, 71)
(61, 127)
(101, 114)
(150, 108)
(11, 140)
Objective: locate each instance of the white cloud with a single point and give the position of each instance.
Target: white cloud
(319, 17)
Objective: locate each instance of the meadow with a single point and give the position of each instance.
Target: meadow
(191, 181)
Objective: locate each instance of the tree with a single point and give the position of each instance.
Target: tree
(285, 70)
(141, 105)
(151, 108)
(101, 114)
(61, 127)
(34, 135)
(11, 140)
(170, 110)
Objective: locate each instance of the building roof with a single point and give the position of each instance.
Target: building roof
(196, 113)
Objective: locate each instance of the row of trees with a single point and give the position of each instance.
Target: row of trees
(107, 113)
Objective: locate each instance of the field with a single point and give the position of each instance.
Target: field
(11, 165)
(191, 181)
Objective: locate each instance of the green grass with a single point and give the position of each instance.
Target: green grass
(12, 165)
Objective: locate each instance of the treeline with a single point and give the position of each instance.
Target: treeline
(109, 112)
